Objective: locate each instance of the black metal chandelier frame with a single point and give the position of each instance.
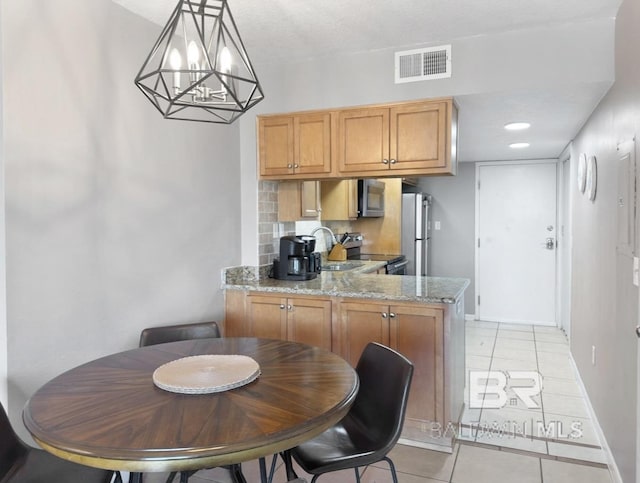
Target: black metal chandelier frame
(238, 92)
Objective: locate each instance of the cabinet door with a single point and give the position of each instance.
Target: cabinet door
(298, 200)
(312, 134)
(266, 317)
(309, 321)
(339, 199)
(418, 136)
(310, 199)
(234, 315)
(275, 145)
(417, 333)
(363, 140)
(352, 198)
(361, 323)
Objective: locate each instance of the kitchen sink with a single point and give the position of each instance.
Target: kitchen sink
(340, 266)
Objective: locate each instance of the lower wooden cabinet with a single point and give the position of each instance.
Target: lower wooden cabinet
(299, 319)
(431, 336)
(413, 330)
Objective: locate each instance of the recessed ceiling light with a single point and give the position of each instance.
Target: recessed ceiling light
(517, 126)
(519, 145)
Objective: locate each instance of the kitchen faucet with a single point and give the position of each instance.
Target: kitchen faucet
(333, 237)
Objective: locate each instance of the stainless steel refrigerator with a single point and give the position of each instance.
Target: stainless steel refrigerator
(416, 232)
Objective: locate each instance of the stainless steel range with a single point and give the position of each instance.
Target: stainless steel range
(396, 264)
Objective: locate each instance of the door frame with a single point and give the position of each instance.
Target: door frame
(477, 224)
(565, 205)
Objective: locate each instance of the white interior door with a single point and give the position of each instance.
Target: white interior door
(516, 246)
(564, 249)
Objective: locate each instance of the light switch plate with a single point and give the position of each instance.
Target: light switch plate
(437, 225)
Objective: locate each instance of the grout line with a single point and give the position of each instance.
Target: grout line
(533, 454)
(455, 462)
(533, 438)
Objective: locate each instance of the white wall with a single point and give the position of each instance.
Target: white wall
(452, 248)
(4, 397)
(116, 218)
(604, 302)
(548, 56)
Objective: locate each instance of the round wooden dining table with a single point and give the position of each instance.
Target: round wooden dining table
(109, 414)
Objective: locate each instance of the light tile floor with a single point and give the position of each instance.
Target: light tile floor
(560, 425)
(527, 454)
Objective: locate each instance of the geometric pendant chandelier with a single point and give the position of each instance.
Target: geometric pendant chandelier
(198, 69)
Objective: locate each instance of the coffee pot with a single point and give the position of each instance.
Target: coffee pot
(297, 261)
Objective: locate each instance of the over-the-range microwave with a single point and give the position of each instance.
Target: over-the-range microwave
(370, 198)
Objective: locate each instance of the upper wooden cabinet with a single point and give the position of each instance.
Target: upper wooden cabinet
(339, 199)
(392, 140)
(298, 200)
(294, 145)
(406, 139)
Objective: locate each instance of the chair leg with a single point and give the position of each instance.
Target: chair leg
(357, 475)
(171, 477)
(184, 477)
(393, 469)
(288, 465)
(236, 474)
(272, 470)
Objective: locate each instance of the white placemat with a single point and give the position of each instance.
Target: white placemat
(206, 374)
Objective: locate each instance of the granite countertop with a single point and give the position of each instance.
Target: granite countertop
(355, 283)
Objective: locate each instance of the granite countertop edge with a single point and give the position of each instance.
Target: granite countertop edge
(355, 283)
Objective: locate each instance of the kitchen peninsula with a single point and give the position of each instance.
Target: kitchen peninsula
(421, 317)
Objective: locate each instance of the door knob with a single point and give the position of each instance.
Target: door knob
(550, 244)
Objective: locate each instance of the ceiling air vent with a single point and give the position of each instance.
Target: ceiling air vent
(423, 64)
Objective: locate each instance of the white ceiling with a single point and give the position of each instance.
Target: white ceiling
(278, 31)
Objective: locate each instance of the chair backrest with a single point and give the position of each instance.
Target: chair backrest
(175, 333)
(380, 406)
(11, 448)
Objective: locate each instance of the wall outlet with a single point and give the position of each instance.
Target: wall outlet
(437, 225)
(593, 355)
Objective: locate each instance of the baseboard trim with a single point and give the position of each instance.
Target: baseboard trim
(611, 462)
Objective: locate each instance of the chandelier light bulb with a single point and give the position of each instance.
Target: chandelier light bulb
(193, 55)
(175, 61)
(225, 60)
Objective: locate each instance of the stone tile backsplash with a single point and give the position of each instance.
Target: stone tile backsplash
(269, 232)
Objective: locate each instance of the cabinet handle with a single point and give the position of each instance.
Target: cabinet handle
(393, 161)
(385, 161)
(289, 166)
(384, 315)
(289, 307)
(281, 307)
(392, 315)
(296, 166)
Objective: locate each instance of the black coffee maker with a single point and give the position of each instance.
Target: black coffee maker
(297, 261)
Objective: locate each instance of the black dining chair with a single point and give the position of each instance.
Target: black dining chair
(20, 463)
(373, 424)
(175, 333)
